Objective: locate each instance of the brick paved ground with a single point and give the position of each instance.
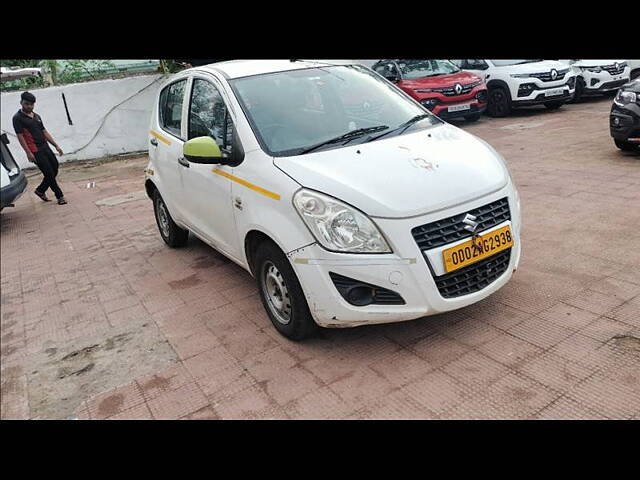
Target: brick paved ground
(101, 320)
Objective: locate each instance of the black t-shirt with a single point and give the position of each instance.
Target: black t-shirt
(31, 128)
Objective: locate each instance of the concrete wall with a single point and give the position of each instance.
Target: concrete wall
(110, 117)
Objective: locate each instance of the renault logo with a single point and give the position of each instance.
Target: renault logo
(458, 89)
(616, 65)
(470, 223)
(554, 74)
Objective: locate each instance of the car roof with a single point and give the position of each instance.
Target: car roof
(244, 68)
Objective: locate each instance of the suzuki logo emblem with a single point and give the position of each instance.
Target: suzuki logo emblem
(554, 74)
(458, 89)
(470, 223)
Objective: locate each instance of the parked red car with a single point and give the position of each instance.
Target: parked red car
(439, 85)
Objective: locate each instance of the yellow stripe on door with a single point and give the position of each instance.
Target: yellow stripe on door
(160, 137)
(253, 187)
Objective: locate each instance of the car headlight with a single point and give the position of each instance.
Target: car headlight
(593, 69)
(338, 226)
(520, 75)
(625, 98)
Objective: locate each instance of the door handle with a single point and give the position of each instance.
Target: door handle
(154, 142)
(182, 161)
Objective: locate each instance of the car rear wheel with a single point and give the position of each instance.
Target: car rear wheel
(172, 234)
(281, 293)
(626, 146)
(553, 105)
(499, 102)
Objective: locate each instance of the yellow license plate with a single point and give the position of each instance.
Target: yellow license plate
(485, 246)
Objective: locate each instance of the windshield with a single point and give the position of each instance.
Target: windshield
(506, 63)
(293, 111)
(425, 68)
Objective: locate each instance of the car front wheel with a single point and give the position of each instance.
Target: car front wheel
(499, 102)
(281, 293)
(577, 95)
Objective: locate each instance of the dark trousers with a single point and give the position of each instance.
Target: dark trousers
(48, 165)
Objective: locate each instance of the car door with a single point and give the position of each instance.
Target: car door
(207, 187)
(166, 143)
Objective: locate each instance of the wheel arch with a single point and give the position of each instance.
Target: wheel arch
(497, 83)
(150, 188)
(252, 239)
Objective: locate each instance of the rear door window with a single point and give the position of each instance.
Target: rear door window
(170, 107)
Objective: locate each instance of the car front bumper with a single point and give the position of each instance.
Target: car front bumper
(474, 109)
(603, 81)
(13, 191)
(624, 123)
(408, 271)
(539, 97)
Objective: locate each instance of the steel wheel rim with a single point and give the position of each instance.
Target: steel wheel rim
(163, 219)
(276, 293)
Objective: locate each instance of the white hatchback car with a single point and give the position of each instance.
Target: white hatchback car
(347, 200)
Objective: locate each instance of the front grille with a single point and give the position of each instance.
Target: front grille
(546, 76)
(450, 91)
(613, 70)
(475, 277)
(451, 229)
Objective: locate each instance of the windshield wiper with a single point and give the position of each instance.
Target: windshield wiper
(403, 126)
(347, 136)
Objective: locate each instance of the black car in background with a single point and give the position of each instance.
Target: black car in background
(624, 120)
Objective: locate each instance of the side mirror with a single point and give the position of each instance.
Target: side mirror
(4, 139)
(202, 150)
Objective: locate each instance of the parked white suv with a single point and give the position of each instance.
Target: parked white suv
(348, 201)
(598, 76)
(519, 83)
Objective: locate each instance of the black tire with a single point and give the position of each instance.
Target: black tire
(553, 105)
(579, 91)
(499, 102)
(472, 118)
(626, 146)
(299, 322)
(172, 234)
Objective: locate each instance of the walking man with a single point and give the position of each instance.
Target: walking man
(34, 137)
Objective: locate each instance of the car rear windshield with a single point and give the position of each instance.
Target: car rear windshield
(293, 111)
